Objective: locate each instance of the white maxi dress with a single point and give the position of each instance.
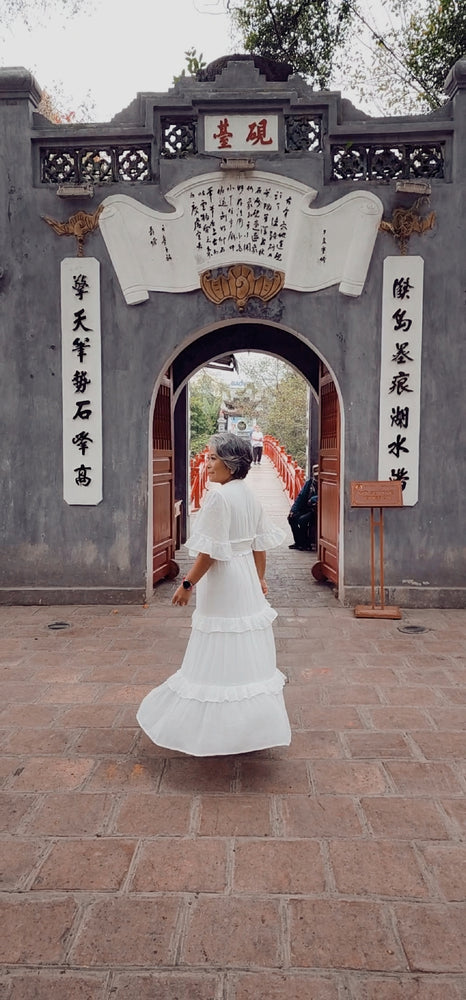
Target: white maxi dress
(227, 696)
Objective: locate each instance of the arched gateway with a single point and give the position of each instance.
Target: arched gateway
(230, 212)
(169, 463)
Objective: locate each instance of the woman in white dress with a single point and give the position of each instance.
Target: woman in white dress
(227, 697)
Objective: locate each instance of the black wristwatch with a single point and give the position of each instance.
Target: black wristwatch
(187, 584)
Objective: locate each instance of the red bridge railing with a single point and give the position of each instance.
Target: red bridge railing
(290, 473)
(198, 478)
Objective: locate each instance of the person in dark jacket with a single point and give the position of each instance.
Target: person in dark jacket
(303, 515)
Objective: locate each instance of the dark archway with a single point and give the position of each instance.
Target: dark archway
(243, 335)
(237, 336)
(246, 336)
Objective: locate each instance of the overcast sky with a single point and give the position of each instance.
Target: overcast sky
(111, 50)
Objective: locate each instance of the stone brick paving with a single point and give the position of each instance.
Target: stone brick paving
(330, 870)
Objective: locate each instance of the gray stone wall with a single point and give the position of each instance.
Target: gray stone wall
(51, 552)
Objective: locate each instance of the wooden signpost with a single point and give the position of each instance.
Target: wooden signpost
(376, 494)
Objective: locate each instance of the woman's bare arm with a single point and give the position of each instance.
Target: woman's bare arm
(199, 568)
(260, 560)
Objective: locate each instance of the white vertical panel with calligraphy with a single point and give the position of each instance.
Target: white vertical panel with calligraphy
(400, 373)
(81, 381)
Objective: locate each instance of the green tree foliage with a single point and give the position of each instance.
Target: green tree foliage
(410, 55)
(287, 416)
(194, 63)
(304, 33)
(435, 41)
(398, 59)
(205, 397)
(264, 371)
(273, 395)
(281, 401)
(247, 401)
(260, 374)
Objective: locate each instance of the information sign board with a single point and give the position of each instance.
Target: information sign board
(379, 493)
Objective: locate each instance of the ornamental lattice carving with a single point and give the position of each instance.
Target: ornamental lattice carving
(179, 137)
(79, 226)
(303, 133)
(387, 161)
(241, 283)
(406, 221)
(98, 165)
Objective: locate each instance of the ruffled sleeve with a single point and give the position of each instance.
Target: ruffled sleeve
(268, 535)
(212, 529)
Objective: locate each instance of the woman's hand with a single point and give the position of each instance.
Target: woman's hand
(181, 596)
(264, 587)
(199, 568)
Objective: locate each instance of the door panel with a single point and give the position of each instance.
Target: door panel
(163, 563)
(329, 479)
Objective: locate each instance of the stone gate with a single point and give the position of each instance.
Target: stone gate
(232, 212)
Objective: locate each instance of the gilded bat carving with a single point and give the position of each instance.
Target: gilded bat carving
(78, 225)
(406, 221)
(241, 284)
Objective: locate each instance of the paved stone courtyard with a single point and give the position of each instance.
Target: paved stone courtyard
(330, 870)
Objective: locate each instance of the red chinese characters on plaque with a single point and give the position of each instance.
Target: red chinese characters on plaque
(225, 133)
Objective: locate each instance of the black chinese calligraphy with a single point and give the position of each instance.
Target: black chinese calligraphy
(82, 478)
(399, 416)
(80, 285)
(158, 237)
(399, 383)
(80, 381)
(397, 446)
(399, 475)
(82, 441)
(240, 218)
(323, 248)
(401, 355)
(79, 318)
(81, 412)
(401, 321)
(79, 346)
(401, 288)
(400, 373)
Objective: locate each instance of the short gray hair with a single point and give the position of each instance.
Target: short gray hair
(235, 452)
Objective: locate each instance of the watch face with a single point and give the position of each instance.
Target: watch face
(187, 585)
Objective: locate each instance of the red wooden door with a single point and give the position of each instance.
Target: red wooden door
(163, 551)
(328, 522)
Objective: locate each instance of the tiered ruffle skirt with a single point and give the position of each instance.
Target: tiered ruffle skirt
(227, 697)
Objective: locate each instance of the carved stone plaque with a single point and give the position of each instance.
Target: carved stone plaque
(260, 220)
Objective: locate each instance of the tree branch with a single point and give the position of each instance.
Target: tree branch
(388, 48)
